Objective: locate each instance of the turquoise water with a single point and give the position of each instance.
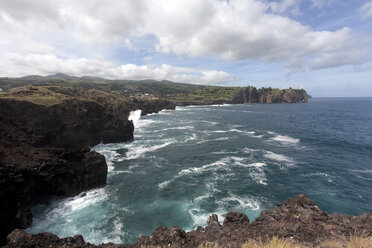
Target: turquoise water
(186, 164)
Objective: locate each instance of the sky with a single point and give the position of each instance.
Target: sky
(323, 46)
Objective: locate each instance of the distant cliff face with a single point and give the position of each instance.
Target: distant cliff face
(270, 95)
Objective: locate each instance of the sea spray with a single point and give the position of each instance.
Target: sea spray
(135, 116)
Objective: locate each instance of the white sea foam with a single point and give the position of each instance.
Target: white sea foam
(66, 209)
(178, 128)
(193, 137)
(241, 131)
(224, 152)
(135, 152)
(200, 217)
(116, 233)
(222, 105)
(255, 165)
(91, 198)
(165, 112)
(258, 176)
(223, 138)
(110, 153)
(284, 139)
(254, 135)
(222, 164)
(117, 172)
(250, 150)
(278, 157)
(256, 171)
(243, 202)
(321, 174)
(164, 184)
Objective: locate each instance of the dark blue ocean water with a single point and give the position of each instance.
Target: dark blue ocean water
(186, 164)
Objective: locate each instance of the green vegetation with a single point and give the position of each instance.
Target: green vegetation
(150, 89)
(207, 93)
(123, 87)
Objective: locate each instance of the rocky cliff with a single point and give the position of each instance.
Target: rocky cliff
(45, 135)
(270, 95)
(298, 219)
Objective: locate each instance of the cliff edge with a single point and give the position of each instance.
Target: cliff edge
(46, 134)
(270, 95)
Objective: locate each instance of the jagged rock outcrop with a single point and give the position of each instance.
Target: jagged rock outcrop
(297, 218)
(45, 135)
(19, 238)
(44, 149)
(270, 95)
(152, 106)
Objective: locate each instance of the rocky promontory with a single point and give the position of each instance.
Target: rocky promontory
(270, 95)
(46, 134)
(298, 219)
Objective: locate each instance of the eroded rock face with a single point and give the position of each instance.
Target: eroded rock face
(45, 139)
(154, 106)
(269, 95)
(45, 150)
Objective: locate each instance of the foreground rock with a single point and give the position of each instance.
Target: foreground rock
(297, 218)
(45, 139)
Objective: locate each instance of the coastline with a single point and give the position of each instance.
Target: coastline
(297, 219)
(155, 107)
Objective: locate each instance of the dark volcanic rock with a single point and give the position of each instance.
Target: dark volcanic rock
(298, 218)
(44, 149)
(153, 106)
(45, 134)
(19, 238)
(269, 95)
(234, 220)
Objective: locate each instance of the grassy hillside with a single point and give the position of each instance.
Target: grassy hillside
(207, 93)
(179, 93)
(124, 87)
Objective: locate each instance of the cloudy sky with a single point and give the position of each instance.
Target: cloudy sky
(323, 46)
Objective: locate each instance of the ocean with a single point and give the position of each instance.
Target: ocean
(187, 164)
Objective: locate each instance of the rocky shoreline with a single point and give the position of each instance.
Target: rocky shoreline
(296, 218)
(46, 133)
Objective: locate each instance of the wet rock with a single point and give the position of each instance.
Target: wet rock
(213, 219)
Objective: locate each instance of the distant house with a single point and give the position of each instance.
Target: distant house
(1, 90)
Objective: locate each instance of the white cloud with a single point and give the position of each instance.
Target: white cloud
(239, 30)
(228, 30)
(285, 5)
(46, 64)
(366, 9)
